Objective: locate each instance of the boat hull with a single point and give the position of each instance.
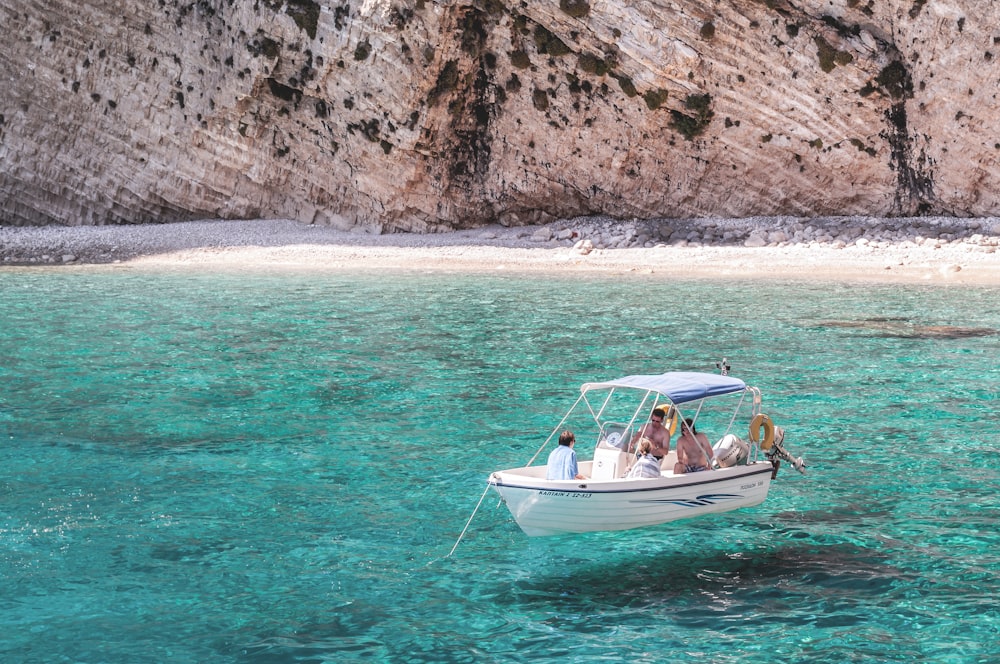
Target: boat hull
(554, 507)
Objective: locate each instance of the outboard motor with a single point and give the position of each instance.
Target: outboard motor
(778, 451)
(731, 451)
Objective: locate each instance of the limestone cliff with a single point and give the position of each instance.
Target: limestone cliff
(418, 115)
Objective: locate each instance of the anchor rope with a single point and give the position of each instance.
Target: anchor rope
(467, 523)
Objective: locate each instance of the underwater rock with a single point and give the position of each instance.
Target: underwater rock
(897, 327)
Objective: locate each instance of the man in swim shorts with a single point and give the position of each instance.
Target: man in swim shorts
(694, 453)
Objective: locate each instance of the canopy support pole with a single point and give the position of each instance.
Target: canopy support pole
(556, 430)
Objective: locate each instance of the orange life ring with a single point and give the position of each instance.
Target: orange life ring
(761, 420)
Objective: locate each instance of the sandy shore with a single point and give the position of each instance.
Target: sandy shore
(963, 252)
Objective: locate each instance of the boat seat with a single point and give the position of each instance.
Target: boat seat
(609, 464)
(611, 458)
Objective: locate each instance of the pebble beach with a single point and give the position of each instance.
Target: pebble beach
(928, 249)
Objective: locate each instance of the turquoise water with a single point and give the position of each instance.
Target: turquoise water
(222, 468)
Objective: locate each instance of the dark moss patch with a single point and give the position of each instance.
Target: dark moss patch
(775, 5)
(655, 98)
(473, 33)
(494, 7)
(340, 15)
(575, 8)
(520, 24)
(546, 42)
(540, 99)
(369, 129)
(692, 124)
(842, 28)
(363, 50)
(707, 31)
(829, 57)
(262, 45)
(558, 48)
(400, 16)
(859, 144)
(446, 82)
(627, 86)
(574, 83)
(519, 59)
(592, 64)
(283, 92)
(305, 13)
(895, 80)
(916, 7)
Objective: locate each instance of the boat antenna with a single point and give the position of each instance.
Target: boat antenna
(723, 366)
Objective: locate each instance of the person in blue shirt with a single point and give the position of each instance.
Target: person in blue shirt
(562, 460)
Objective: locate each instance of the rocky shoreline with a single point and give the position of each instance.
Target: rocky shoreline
(108, 244)
(767, 246)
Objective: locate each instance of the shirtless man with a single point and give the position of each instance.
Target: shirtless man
(657, 434)
(693, 451)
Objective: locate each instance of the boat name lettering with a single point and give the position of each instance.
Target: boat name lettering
(567, 494)
(744, 487)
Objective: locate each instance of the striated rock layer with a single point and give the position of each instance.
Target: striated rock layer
(426, 116)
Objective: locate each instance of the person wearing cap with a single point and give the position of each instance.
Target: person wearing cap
(562, 461)
(694, 453)
(656, 432)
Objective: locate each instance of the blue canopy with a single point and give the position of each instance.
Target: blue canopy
(678, 386)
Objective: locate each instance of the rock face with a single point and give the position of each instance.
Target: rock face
(427, 116)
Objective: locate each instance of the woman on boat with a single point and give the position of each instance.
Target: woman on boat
(646, 465)
(694, 453)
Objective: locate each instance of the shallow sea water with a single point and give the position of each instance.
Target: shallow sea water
(273, 468)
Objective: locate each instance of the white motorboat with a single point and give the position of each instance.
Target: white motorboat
(607, 417)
